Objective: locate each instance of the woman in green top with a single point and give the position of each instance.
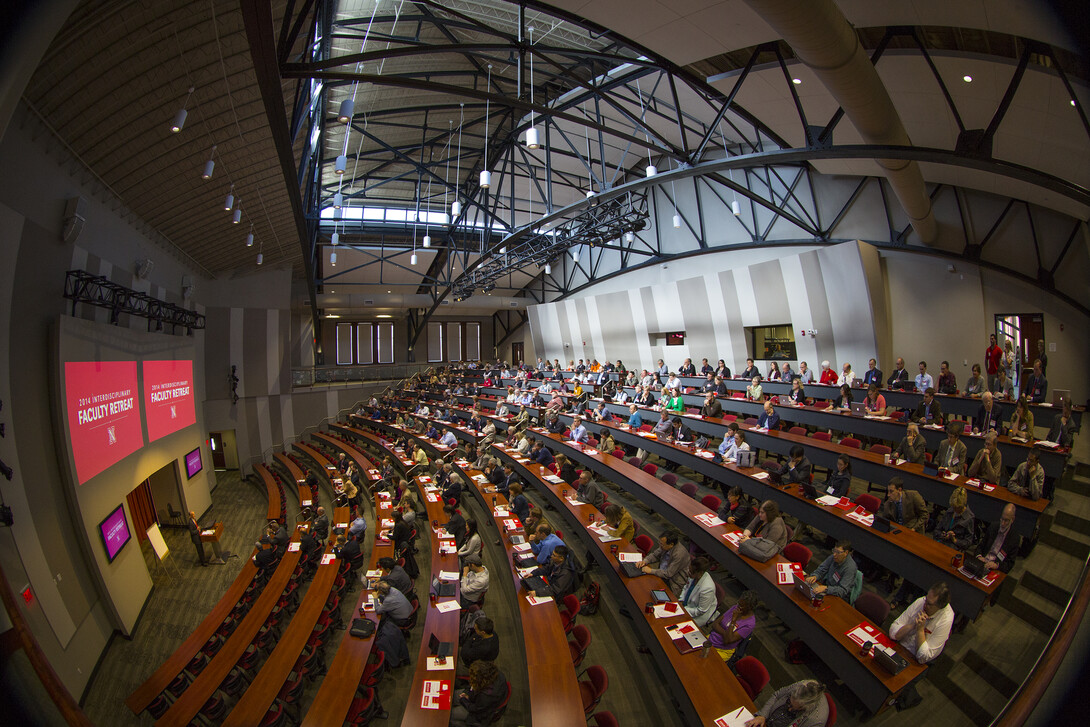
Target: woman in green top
(675, 402)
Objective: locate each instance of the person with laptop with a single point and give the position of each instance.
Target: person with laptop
(873, 374)
(769, 419)
(874, 403)
(1000, 546)
(843, 400)
(913, 447)
(904, 507)
(392, 603)
(839, 481)
(560, 573)
(478, 704)
(923, 629)
(952, 451)
(988, 463)
(989, 415)
(679, 433)
(797, 395)
(1028, 479)
(736, 624)
(662, 426)
(474, 582)
(802, 704)
(395, 575)
(698, 596)
(924, 380)
(739, 445)
(847, 376)
(672, 559)
(899, 377)
(836, 574)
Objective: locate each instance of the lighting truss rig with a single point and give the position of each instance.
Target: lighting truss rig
(82, 287)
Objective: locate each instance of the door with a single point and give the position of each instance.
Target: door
(517, 352)
(215, 441)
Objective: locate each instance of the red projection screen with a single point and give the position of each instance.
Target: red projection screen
(103, 414)
(168, 397)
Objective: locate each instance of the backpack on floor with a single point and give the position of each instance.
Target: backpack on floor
(588, 605)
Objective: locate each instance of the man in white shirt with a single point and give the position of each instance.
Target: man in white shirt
(805, 373)
(578, 431)
(449, 440)
(847, 376)
(923, 629)
(672, 383)
(924, 381)
(647, 380)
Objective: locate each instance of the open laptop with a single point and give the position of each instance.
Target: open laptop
(630, 570)
(803, 587)
(881, 524)
(858, 408)
(975, 566)
(809, 491)
(930, 468)
(1060, 397)
(442, 589)
(747, 458)
(439, 648)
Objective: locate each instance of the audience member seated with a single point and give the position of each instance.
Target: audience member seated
(874, 402)
(565, 469)
(828, 376)
(712, 408)
(844, 399)
(1022, 421)
(474, 580)
(1028, 479)
(976, 384)
(698, 595)
(904, 507)
(948, 383)
(320, 524)
(619, 522)
(988, 463)
(736, 510)
(798, 393)
(518, 502)
(736, 624)
(672, 559)
(1063, 428)
(923, 629)
(952, 451)
(801, 704)
(395, 575)
(924, 381)
(1000, 546)
(797, 469)
(839, 481)
(578, 431)
(913, 447)
(1036, 386)
(392, 603)
(750, 371)
(482, 643)
(873, 374)
(471, 541)
(929, 410)
(836, 575)
(456, 524)
(768, 524)
(679, 433)
(477, 705)
(561, 574)
(543, 542)
(754, 392)
(955, 525)
(587, 490)
(899, 377)
(769, 419)
(989, 416)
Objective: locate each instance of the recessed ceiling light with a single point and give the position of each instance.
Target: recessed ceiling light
(796, 81)
(1072, 102)
(389, 291)
(967, 79)
(384, 315)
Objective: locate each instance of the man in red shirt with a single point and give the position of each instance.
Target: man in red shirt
(992, 357)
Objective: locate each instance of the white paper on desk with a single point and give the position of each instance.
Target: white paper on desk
(386, 523)
(432, 497)
(629, 557)
(433, 666)
(293, 547)
(431, 488)
(867, 520)
(208, 532)
(590, 451)
(553, 479)
(376, 573)
(900, 462)
(501, 512)
(479, 478)
(828, 500)
(521, 547)
(710, 519)
(606, 537)
(342, 526)
(447, 549)
(668, 610)
(424, 478)
(328, 558)
(447, 606)
(385, 495)
(734, 539)
(524, 572)
(385, 505)
(951, 476)
(575, 502)
(737, 718)
(446, 575)
(676, 631)
(538, 600)
(760, 476)
(705, 454)
(445, 534)
(1046, 443)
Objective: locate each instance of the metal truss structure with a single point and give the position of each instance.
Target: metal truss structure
(95, 290)
(441, 92)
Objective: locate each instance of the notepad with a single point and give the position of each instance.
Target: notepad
(737, 718)
(679, 630)
(521, 547)
(447, 606)
(538, 600)
(828, 500)
(629, 557)
(667, 610)
(760, 476)
(710, 519)
(293, 547)
(328, 558)
(434, 665)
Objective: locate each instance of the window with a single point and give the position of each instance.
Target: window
(473, 342)
(384, 342)
(771, 343)
(454, 341)
(365, 352)
(344, 343)
(435, 342)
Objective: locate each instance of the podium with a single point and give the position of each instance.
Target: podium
(212, 535)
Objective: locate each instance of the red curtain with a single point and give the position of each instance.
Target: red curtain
(142, 510)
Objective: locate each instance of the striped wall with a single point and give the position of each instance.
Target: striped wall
(712, 301)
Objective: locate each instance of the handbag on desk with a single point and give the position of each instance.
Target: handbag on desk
(760, 549)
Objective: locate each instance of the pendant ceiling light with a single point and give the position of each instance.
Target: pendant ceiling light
(179, 118)
(210, 165)
(486, 176)
(229, 202)
(250, 237)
